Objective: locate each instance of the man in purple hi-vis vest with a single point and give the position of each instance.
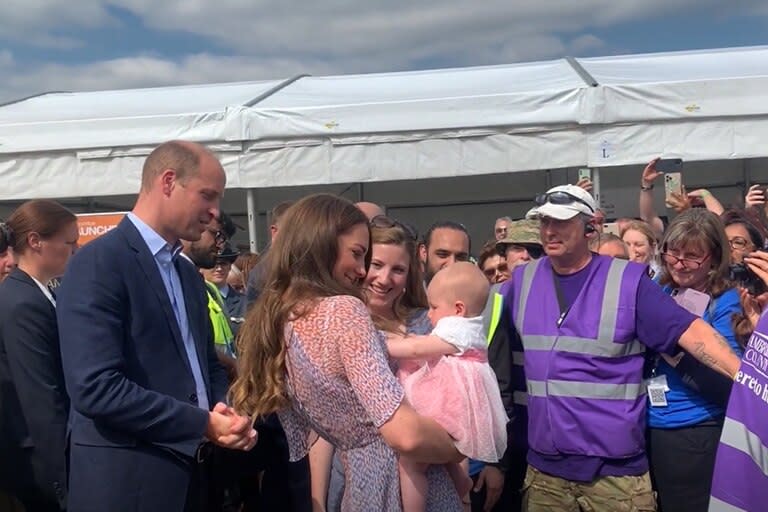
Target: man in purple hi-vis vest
(580, 317)
(740, 481)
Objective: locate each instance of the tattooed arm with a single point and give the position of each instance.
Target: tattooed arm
(708, 346)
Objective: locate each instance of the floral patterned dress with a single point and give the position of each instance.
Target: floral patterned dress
(342, 388)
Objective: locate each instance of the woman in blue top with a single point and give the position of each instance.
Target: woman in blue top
(687, 400)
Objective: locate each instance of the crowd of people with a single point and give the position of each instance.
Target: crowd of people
(356, 365)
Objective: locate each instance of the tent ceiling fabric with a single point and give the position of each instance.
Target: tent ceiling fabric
(698, 105)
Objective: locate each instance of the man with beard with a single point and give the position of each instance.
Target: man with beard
(203, 254)
(444, 244)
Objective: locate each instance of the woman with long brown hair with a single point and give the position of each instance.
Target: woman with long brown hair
(310, 352)
(43, 235)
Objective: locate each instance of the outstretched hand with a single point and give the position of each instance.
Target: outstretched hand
(679, 202)
(586, 184)
(757, 262)
(650, 173)
(755, 196)
(752, 306)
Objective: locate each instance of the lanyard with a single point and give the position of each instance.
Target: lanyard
(560, 299)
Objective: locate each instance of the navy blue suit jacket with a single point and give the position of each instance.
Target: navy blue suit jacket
(33, 423)
(135, 424)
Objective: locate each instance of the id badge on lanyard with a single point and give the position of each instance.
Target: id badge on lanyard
(657, 391)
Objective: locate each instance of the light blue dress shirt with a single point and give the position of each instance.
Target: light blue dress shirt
(164, 256)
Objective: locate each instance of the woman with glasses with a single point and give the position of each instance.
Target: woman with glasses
(687, 400)
(743, 236)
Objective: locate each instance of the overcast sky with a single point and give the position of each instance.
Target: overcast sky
(72, 45)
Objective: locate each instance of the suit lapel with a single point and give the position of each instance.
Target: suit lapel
(150, 270)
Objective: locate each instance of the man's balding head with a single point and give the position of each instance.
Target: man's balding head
(181, 188)
(370, 210)
(181, 156)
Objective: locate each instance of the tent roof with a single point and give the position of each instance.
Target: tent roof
(81, 120)
(604, 111)
(719, 64)
(537, 93)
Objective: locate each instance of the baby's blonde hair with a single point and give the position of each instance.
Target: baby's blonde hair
(465, 282)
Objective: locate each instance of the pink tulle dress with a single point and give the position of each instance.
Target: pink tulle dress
(460, 391)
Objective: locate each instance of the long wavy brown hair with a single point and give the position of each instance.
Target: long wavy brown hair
(299, 272)
(391, 232)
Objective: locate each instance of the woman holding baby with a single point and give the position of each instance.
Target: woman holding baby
(310, 338)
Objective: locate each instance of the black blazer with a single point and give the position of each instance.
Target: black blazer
(136, 425)
(35, 403)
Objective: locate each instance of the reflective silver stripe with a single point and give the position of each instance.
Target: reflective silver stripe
(518, 358)
(608, 314)
(738, 436)
(716, 505)
(587, 390)
(520, 398)
(525, 289)
(587, 346)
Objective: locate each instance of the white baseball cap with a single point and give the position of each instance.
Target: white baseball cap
(563, 202)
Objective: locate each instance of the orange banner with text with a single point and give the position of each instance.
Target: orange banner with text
(93, 225)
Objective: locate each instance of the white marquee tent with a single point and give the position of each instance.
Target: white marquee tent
(596, 112)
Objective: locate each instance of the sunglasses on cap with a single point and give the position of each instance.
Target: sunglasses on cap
(384, 222)
(561, 198)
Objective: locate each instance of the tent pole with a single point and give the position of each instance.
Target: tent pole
(596, 186)
(250, 196)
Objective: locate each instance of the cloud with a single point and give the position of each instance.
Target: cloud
(277, 39)
(145, 71)
(40, 22)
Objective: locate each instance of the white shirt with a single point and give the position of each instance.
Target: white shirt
(463, 333)
(45, 290)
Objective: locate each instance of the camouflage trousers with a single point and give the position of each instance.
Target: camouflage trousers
(543, 492)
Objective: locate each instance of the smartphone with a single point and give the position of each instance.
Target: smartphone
(669, 165)
(673, 184)
(585, 174)
(612, 228)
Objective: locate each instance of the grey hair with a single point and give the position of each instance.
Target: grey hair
(506, 218)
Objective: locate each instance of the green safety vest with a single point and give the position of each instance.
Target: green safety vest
(222, 332)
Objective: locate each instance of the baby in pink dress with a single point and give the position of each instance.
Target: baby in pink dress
(453, 383)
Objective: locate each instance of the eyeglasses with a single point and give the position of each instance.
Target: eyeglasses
(384, 222)
(560, 197)
(688, 263)
(739, 243)
(218, 235)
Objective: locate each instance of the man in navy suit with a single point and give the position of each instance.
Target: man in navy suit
(137, 349)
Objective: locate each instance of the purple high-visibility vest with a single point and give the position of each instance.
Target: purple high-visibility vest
(584, 372)
(740, 481)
